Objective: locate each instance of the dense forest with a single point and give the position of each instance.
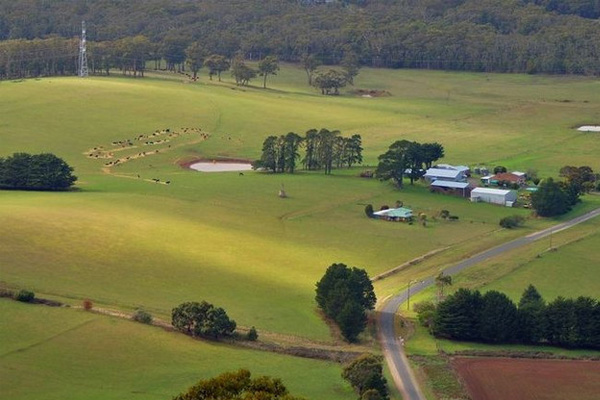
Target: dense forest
(534, 36)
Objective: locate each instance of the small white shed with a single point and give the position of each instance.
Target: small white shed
(494, 196)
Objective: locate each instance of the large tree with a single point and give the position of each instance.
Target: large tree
(195, 54)
(310, 63)
(23, 171)
(345, 295)
(237, 386)
(241, 72)
(202, 319)
(216, 65)
(550, 199)
(268, 66)
(365, 374)
(394, 162)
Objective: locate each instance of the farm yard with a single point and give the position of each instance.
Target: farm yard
(499, 379)
(125, 241)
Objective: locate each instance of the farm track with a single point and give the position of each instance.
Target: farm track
(404, 378)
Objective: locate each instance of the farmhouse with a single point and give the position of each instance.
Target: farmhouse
(443, 174)
(457, 188)
(509, 177)
(495, 196)
(394, 214)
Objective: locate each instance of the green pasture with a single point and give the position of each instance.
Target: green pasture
(125, 242)
(61, 353)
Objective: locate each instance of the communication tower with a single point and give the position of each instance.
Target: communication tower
(83, 64)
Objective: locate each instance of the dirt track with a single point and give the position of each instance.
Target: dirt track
(527, 379)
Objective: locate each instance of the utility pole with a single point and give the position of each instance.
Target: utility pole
(82, 68)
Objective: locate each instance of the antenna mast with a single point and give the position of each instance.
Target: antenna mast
(83, 64)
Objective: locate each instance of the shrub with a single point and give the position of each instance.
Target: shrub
(87, 305)
(7, 293)
(252, 335)
(425, 312)
(369, 210)
(142, 316)
(444, 214)
(365, 374)
(453, 218)
(512, 221)
(499, 169)
(25, 296)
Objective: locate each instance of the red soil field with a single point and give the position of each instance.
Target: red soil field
(528, 379)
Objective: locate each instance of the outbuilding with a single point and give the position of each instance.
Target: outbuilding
(435, 174)
(495, 196)
(449, 187)
(394, 214)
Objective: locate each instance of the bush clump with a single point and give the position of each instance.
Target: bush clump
(142, 316)
(369, 210)
(25, 296)
(512, 221)
(23, 171)
(252, 335)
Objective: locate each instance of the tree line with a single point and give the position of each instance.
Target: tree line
(534, 36)
(494, 318)
(323, 150)
(406, 158)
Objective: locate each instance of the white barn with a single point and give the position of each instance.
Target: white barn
(494, 196)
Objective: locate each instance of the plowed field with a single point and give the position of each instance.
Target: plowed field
(521, 379)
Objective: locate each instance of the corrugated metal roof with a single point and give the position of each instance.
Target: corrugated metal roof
(480, 190)
(450, 184)
(401, 212)
(443, 173)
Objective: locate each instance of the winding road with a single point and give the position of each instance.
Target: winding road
(393, 348)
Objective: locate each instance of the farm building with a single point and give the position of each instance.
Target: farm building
(463, 168)
(440, 174)
(394, 214)
(457, 188)
(494, 196)
(509, 177)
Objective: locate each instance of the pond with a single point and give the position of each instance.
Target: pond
(220, 166)
(589, 128)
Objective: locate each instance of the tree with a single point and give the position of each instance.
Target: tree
(345, 295)
(202, 319)
(431, 153)
(173, 48)
(458, 316)
(310, 63)
(195, 54)
(531, 316)
(441, 281)
(269, 158)
(241, 72)
(268, 66)
(216, 64)
(292, 142)
(23, 171)
(354, 151)
(351, 66)
(499, 169)
(498, 321)
(237, 386)
(550, 199)
(365, 374)
(394, 162)
(329, 81)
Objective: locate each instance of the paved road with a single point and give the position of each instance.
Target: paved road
(393, 349)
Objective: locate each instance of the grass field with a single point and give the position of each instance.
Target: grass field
(49, 353)
(124, 242)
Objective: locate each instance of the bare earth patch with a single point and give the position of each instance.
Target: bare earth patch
(525, 379)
